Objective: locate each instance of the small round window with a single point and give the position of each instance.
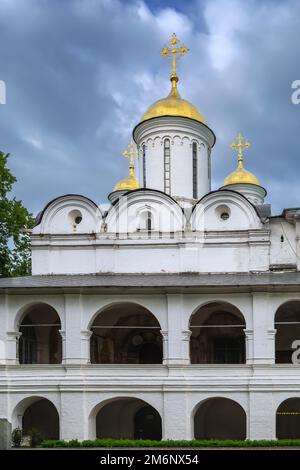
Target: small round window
(75, 217)
(223, 212)
(224, 216)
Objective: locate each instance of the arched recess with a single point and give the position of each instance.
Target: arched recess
(217, 335)
(127, 418)
(40, 341)
(220, 418)
(126, 333)
(39, 414)
(288, 419)
(287, 325)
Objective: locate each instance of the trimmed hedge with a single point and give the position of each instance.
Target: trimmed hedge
(148, 443)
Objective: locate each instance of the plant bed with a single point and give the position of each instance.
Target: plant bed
(109, 443)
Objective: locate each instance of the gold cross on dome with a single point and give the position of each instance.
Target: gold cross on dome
(239, 146)
(131, 154)
(176, 51)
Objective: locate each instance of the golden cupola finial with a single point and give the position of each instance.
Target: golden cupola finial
(240, 175)
(129, 183)
(173, 104)
(176, 51)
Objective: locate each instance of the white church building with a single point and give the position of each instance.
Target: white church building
(173, 312)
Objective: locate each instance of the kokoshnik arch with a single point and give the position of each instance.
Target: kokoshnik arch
(152, 318)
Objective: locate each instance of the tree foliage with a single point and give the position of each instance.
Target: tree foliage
(15, 256)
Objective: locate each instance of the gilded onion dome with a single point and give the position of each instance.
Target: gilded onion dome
(130, 183)
(173, 104)
(241, 175)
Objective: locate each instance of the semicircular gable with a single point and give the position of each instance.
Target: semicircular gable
(69, 214)
(225, 210)
(128, 213)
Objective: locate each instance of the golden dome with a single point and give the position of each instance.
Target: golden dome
(130, 183)
(173, 105)
(127, 184)
(240, 175)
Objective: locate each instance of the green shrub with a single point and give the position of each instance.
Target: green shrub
(16, 437)
(36, 437)
(109, 443)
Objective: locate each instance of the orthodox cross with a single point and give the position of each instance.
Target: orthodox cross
(176, 51)
(239, 146)
(131, 154)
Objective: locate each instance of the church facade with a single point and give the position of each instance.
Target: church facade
(171, 313)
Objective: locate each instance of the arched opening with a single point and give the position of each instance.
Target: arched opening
(128, 418)
(287, 325)
(146, 221)
(126, 334)
(220, 418)
(37, 415)
(288, 419)
(40, 341)
(217, 335)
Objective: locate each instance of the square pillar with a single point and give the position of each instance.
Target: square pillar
(73, 416)
(263, 330)
(72, 353)
(262, 417)
(12, 343)
(85, 346)
(249, 346)
(176, 341)
(176, 420)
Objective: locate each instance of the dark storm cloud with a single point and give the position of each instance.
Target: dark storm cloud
(79, 74)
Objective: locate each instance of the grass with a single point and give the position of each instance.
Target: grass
(109, 443)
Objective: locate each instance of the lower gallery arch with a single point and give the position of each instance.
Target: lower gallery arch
(38, 414)
(126, 333)
(127, 418)
(217, 335)
(220, 418)
(288, 419)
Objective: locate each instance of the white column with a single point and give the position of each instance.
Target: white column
(297, 220)
(85, 346)
(73, 329)
(164, 334)
(176, 419)
(177, 338)
(249, 346)
(262, 418)
(73, 416)
(63, 341)
(263, 330)
(12, 339)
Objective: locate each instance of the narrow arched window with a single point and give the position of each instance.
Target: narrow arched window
(167, 167)
(195, 171)
(149, 221)
(144, 166)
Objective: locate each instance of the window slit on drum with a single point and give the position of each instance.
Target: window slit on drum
(195, 171)
(144, 167)
(167, 167)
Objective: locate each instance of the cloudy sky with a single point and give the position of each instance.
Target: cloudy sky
(80, 73)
